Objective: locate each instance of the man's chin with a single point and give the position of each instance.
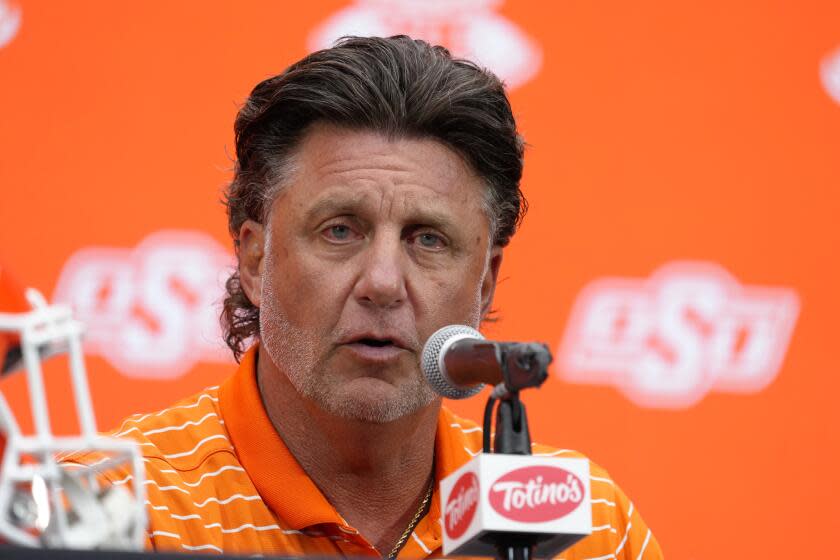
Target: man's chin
(369, 399)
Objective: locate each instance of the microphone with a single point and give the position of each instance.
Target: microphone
(458, 361)
(508, 504)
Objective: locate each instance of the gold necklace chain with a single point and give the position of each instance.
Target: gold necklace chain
(414, 520)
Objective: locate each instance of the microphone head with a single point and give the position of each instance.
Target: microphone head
(432, 361)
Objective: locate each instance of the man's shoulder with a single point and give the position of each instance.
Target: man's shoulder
(618, 530)
(180, 436)
(183, 434)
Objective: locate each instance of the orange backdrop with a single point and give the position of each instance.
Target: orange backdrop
(680, 256)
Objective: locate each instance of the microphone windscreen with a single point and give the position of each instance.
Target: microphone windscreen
(432, 361)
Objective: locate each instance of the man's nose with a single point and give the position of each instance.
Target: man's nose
(381, 282)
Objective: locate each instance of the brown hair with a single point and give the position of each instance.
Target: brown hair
(397, 86)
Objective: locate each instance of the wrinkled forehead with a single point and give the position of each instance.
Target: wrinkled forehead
(327, 148)
(336, 169)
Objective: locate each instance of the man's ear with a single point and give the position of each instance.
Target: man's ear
(251, 247)
(488, 286)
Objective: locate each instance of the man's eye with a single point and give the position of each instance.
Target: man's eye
(430, 241)
(339, 232)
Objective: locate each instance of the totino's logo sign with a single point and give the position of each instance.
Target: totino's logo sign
(461, 506)
(689, 329)
(470, 29)
(536, 494)
(151, 311)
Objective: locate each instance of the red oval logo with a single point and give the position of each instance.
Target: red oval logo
(461, 505)
(536, 494)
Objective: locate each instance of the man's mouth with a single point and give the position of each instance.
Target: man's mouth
(375, 349)
(376, 342)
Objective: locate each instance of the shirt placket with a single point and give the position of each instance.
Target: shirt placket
(351, 543)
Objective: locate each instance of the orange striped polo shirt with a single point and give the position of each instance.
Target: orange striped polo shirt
(220, 479)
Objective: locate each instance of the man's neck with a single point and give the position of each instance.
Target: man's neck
(374, 474)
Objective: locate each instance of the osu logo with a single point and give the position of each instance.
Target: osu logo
(468, 28)
(151, 311)
(461, 506)
(9, 22)
(830, 74)
(536, 494)
(669, 340)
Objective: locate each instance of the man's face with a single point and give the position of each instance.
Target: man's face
(371, 246)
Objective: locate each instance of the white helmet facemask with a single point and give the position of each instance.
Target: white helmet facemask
(43, 502)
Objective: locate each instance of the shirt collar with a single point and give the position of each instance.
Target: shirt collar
(283, 483)
(278, 477)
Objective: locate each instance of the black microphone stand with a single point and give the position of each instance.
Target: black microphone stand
(523, 365)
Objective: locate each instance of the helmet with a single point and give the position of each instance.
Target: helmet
(42, 501)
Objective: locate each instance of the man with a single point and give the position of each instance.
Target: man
(376, 185)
